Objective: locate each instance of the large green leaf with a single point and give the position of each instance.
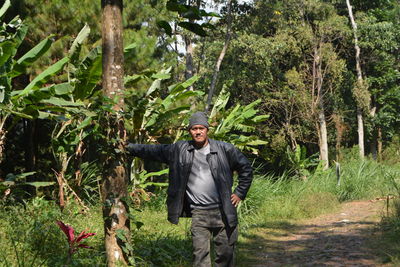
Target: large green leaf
(76, 45)
(176, 88)
(18, 177)
(174, 5)
(21, 32)
(57, 101)
(132, 79)
(2, 93)
(260, 118)
(204, 13)
(88, 74)
(129, 48)
(7, 49)
(193, 27)
(162, 75)
(257, 143)
(87, 121)
(4, 8)
(21, 114)
(31, 56)
(43, 77)
(187, 94)
(221, 102)
(63, 89)
(159, 173)
(46, 115)
(192, 13)
(40, 184)
(165, 25)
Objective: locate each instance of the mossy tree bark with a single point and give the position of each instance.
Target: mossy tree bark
(114, 186)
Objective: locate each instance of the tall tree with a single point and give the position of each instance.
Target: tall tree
(360, 91)
(188, 38)
(290, 58)
(115, 209)
(221, 56)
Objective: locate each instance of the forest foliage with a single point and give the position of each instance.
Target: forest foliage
(289, 69)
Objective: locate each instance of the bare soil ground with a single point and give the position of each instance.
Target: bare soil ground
(343, 238)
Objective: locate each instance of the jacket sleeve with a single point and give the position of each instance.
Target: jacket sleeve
(241, 164)
(152, 152)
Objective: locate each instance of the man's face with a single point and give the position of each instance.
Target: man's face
(199, 135)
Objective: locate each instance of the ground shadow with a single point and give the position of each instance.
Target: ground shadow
(285, 244)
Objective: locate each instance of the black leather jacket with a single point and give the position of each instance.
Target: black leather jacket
(223, 159)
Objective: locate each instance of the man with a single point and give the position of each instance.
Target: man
(200, 186)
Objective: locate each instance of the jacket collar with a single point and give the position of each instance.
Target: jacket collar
(211, 142)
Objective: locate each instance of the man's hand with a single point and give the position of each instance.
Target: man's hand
(235, 200)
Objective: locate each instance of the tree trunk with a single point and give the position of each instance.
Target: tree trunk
(360, 131)
(2, 143)
(374, 144)
(323, 138)
(189, 58)
(360, 121)
(189, 71)
(379, 144)
(374, 141)
(322, 131)
(30, 155)
(114, 187)
(338, 119)
(221, 56)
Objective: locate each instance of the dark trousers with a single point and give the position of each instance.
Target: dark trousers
(207, 225)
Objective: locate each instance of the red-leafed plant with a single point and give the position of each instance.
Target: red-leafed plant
(74, 243)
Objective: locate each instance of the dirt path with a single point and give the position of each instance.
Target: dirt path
(342, 238)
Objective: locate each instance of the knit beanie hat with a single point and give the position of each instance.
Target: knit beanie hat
(198, 118)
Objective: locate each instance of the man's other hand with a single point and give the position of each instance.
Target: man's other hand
(235, 200)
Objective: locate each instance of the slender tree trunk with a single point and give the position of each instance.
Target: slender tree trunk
(3, 133)
(189, 59)
(339, 135)
(177, 78)
(114, 188)
(221, 57)
(360, 82)
(360, 131)
(189, 71)
(322, 131)
(2, 143)
(323, 143)
(30, 155)
(374, 141)
(374, 138)
(373, 145)
(379, 144)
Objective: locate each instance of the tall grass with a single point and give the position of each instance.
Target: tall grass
(389, 244)
(284, 197)
(30, 237)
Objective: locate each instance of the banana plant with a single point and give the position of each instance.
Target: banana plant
(37, 99)
(150, 116)
(153, 118)
(236, 125)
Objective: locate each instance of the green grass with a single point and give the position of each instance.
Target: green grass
(30, 237)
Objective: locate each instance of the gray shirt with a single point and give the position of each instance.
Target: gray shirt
(201, 188)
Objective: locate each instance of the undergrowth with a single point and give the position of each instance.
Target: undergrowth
(30, 237)
(388, 246)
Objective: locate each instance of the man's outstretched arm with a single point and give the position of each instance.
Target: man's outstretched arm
(151, 152)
